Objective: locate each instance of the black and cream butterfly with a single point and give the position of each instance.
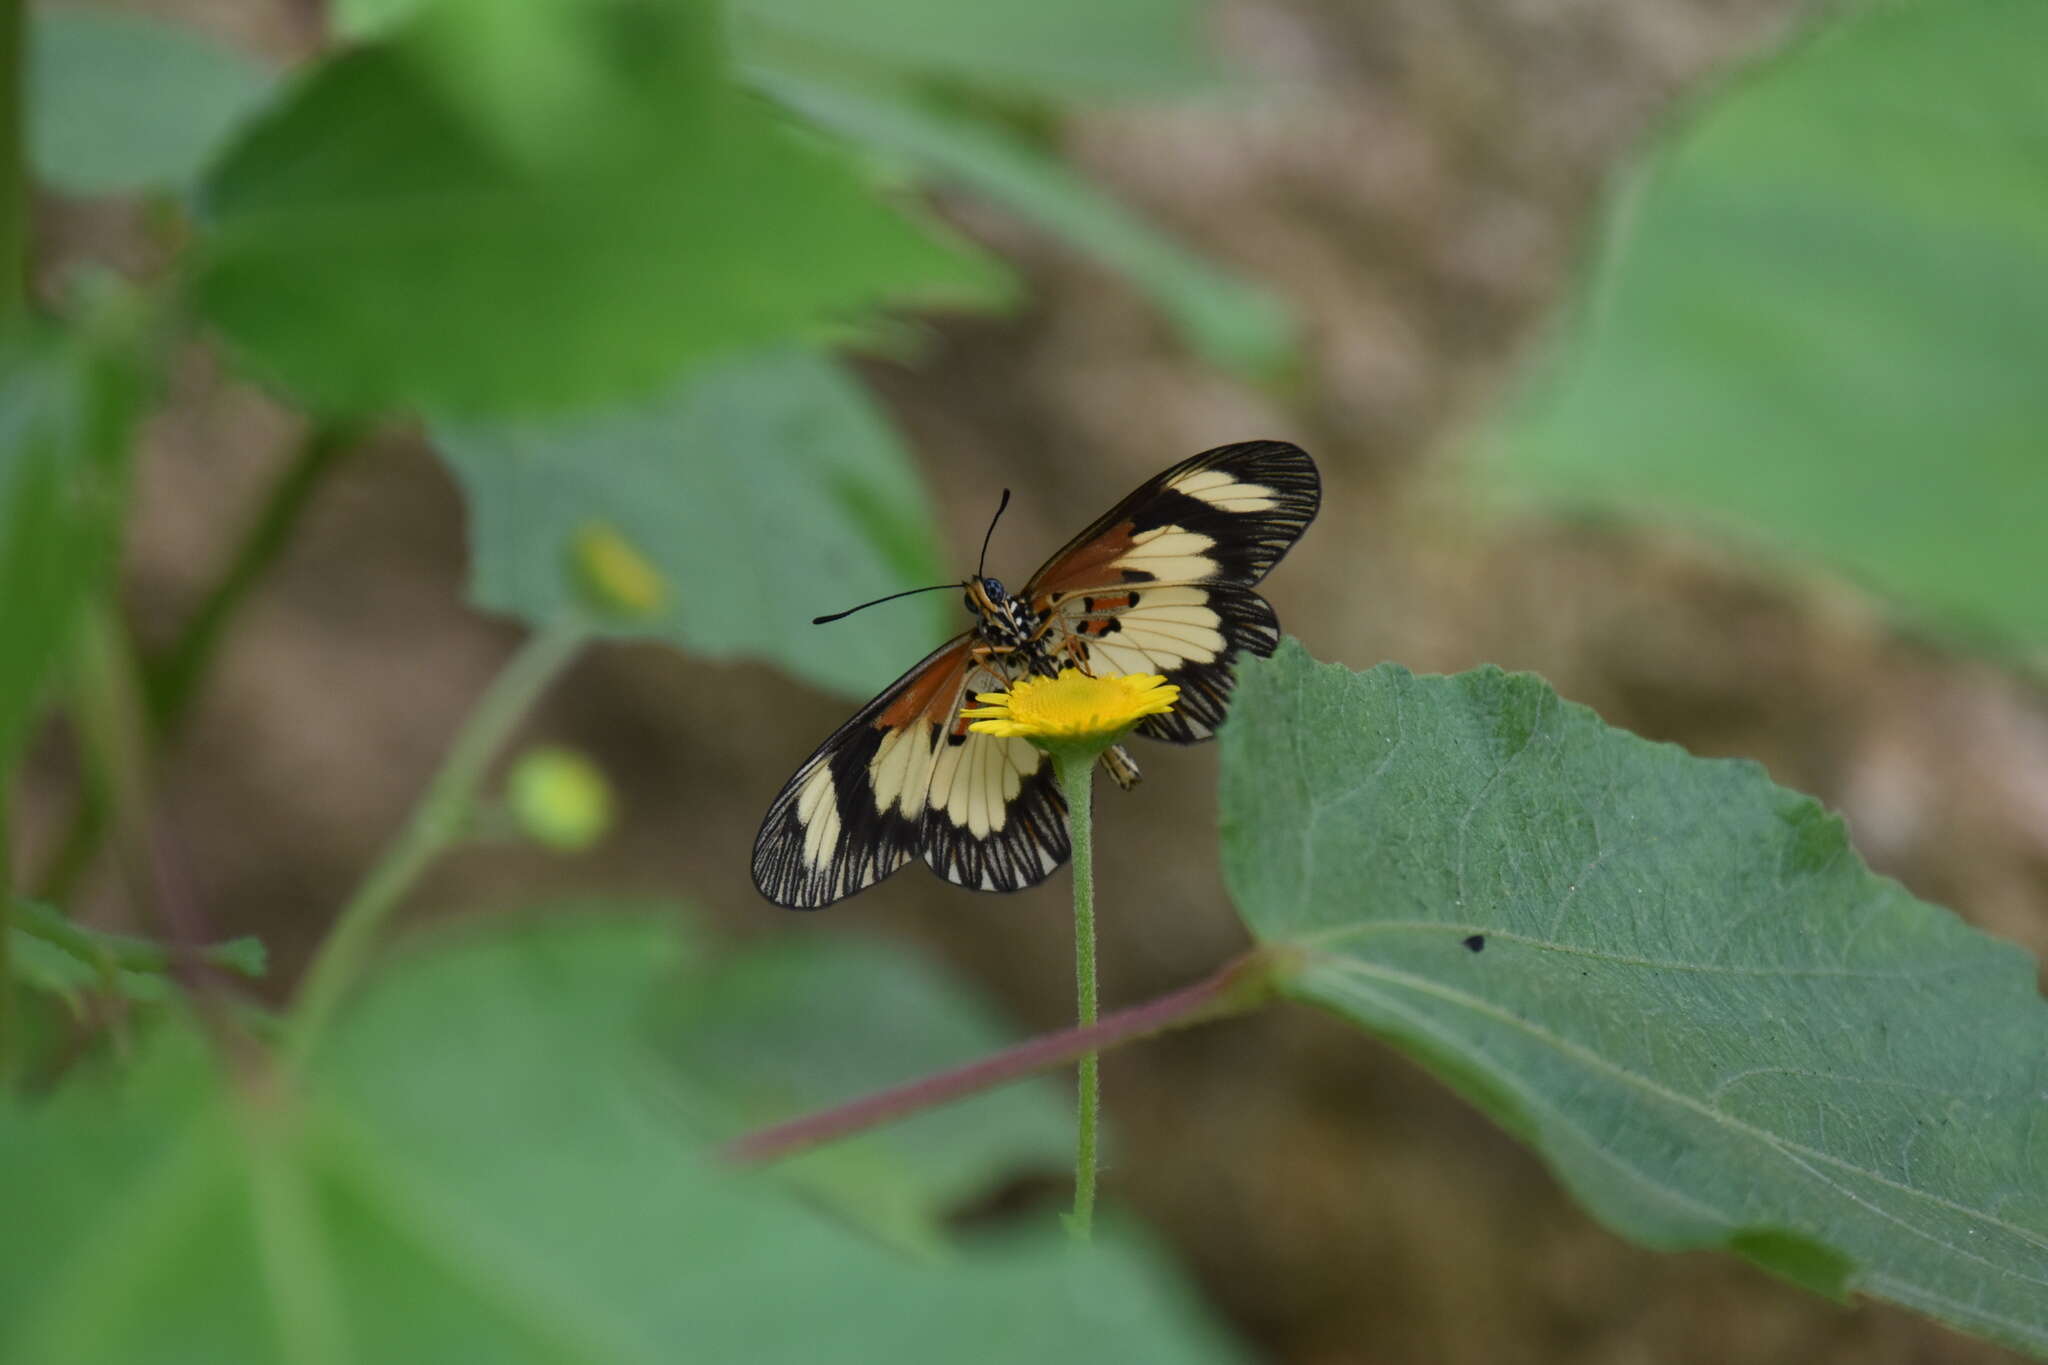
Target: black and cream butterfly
(1161, 583)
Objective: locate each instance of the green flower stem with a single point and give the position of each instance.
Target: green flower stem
(1076, 768)
(438, 820)
(1241, 986)
(175, 678)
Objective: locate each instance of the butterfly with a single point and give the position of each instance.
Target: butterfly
(1160, 583)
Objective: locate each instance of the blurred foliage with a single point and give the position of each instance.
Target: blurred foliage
(502, 209)
(1672, 978)
(68, 960)
(1818, 319)
(796, 1026)
(464, 1176)
(120, 103)
(68, 402)
(1225, 320)
(774, 451)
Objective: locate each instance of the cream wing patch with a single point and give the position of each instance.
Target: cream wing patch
(1170, 554)
(817, 810)
(1221, 490)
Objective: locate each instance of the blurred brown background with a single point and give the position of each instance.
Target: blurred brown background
(1417, 180)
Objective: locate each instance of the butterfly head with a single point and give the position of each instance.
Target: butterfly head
(1007, 622)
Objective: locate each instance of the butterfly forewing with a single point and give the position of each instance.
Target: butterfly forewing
(905, 778)
(1162, 582)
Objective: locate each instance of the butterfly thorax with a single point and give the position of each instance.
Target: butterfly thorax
(1008, 624)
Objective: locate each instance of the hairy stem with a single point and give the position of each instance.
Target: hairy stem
(14, 193)
(1077, 783)
(1241, 986)
(436, 822)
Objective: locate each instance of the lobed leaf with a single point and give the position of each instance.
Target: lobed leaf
(477, 1168)
(1820, 316)
(763, 491)
(1672, 978)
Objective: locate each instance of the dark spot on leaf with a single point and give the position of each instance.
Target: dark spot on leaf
(1476, 942)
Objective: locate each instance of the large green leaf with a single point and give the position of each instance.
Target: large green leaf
(801, 1024)
(477, 1169)
(117, 102)
(1671, 977)
(1227, 320)
(502, 208)
(1821, 315)
(765, 491)
(68, 402)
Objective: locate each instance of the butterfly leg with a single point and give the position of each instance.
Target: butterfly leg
(1118, 763)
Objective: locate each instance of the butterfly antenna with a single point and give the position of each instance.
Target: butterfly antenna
(990, 533)
(907, 592)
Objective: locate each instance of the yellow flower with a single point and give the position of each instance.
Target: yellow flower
(1072, 708)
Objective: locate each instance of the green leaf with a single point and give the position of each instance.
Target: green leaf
(1672, 978)
(1226, 320)
(1134, 48)
(479, 1168)
(800, 1025)
(501, 209)
(68, 401)
(1055, 47)
(119, 103)
(764, 491)
(59, 955)
(1820, 317)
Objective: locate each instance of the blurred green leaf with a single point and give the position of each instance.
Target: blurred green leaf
(1073, 48)
(765, 491)
(68, 402)
(1822, 315)
(501, 209)
(1672, 978)
(475, 1170)
(118, 103)
(1053, 47)
(63, 957)
(801, 1024)
(1226, 320)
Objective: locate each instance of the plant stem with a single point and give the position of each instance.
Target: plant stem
(436, 822)
(14, 193)
(1242, 985)
(1077, 783)
(172, 683)
(175, 678)
(8, 1020)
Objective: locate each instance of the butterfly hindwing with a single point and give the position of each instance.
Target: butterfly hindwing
(1162, 582)
(905, 778)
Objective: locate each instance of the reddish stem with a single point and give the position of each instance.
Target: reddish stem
(1242, 985)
